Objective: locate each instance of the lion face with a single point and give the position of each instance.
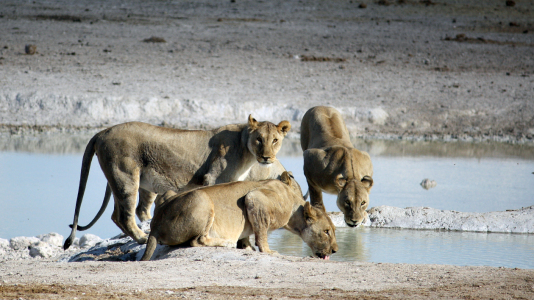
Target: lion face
(319, 232)
(265, 139)
(353, 199)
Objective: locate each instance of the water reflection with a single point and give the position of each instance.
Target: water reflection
(69, 142)
(419, 247)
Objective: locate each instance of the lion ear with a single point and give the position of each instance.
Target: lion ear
(284, 127)
(367, 181)
(252, 123)
(286, 178)
(340, 181)
(309, 213)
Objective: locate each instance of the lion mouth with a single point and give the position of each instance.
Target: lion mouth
(323, 256)
(352, 224)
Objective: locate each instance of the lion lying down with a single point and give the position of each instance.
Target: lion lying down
(221, 215)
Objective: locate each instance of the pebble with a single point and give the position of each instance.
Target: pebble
(428, 184)
(30, 49)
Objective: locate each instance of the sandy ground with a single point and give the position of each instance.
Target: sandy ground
(412, 69)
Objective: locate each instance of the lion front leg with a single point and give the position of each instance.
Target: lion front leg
(316, 196)
(217, 166)
(146, 199)
(259, 218)
(261, 241)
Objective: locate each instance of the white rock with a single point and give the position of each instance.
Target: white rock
(22, 242)
(428, 184)
(89, 240)
(43, 249)
(4, 244)
(514, 221)
(53, 238)
(378, 116)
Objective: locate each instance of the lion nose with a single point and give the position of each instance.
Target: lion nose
(334, 250)
(265, 158)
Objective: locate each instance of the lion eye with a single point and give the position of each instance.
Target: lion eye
(363, 203)
(275, 141)
(327, 232)
(347, 203)
(259, 140)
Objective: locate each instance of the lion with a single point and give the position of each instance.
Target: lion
(222, 214)
(141, 157)
(333, 165)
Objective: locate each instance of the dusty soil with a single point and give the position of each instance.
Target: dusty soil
(217, 273)
(438, 69)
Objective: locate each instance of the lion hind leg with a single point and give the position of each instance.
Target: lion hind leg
(204, 239)
(125, 186)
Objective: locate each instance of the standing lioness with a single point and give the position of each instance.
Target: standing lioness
(152, 160)
(333, 165)
(221, 215)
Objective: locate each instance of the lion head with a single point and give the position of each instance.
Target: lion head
(265, 139)
(319, 232)
(353, 198)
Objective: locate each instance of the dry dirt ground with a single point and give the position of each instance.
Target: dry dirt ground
(217, 273)
(438, 69)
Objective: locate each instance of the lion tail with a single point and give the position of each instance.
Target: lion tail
(150, 247)
(86, 166)
(107, 196)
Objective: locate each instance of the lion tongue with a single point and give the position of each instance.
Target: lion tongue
(326, 257)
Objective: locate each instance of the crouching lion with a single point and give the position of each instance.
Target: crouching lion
(333, 165)
(221, 215)
(152, 160)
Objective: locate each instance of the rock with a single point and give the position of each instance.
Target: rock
(22, 242)
(30, 49)
(53, 238)
(510, 3)
(378, 116)
(4, 244)
(155, 39)
(89, 240)
(513, 221)
(362, 5)
(43, 249)
(428, 184)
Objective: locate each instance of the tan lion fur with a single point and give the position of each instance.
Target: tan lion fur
(333, 165)
(152, 160)
(221, 215)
